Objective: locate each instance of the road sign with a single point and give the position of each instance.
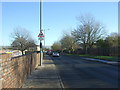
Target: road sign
(40, 34)
(41, 38)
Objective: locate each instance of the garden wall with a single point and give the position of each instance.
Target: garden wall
(15, 70)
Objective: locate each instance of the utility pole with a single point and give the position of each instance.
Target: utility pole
(40, 32)
(44, 44)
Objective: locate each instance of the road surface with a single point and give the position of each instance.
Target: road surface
(77, 73)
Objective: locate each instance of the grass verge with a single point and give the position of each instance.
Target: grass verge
(109, 58)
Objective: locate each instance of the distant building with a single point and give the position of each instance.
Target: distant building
(4, 49)
(38, 47)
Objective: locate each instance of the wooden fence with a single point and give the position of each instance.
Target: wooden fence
(113, 51)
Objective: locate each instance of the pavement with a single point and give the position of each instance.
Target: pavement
(45, 76)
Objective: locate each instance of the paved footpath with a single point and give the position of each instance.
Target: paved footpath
(45, 76)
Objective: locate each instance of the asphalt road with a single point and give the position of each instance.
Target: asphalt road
(77, 73)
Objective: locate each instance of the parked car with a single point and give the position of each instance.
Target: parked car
(49, 52)
(55, 54)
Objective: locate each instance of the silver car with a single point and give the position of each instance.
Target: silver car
(55, 54)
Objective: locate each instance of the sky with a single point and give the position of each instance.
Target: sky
(57, 18)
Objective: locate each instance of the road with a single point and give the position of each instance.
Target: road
(77, 73)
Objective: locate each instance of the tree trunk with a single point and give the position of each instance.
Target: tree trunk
(86, 50)
(22, 53)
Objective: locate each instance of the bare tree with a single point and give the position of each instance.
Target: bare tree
(68, 43)
(88, 31)
(22, 40)
(113, 40)
(56, 46)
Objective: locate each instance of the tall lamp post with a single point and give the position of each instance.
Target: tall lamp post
(41, 32)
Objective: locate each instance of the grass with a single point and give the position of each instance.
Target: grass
(109, 58)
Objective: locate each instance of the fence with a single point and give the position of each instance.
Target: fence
(14, 71)
(113, 51)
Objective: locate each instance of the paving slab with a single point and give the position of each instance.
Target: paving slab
(42, 83)
(45, 76)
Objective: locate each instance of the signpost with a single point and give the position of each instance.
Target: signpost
(40, 34)
(41, 37)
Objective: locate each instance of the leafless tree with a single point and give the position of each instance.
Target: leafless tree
(22, 40)
(113, 40)
(56, 46)
(68, 43)
(88, 31)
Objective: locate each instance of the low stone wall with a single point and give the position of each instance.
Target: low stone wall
(15, 70)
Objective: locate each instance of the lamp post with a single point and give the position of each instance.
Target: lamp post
(40, 32)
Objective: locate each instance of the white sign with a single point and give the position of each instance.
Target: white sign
(41, 38)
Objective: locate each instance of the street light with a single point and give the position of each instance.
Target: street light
(40, 32)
